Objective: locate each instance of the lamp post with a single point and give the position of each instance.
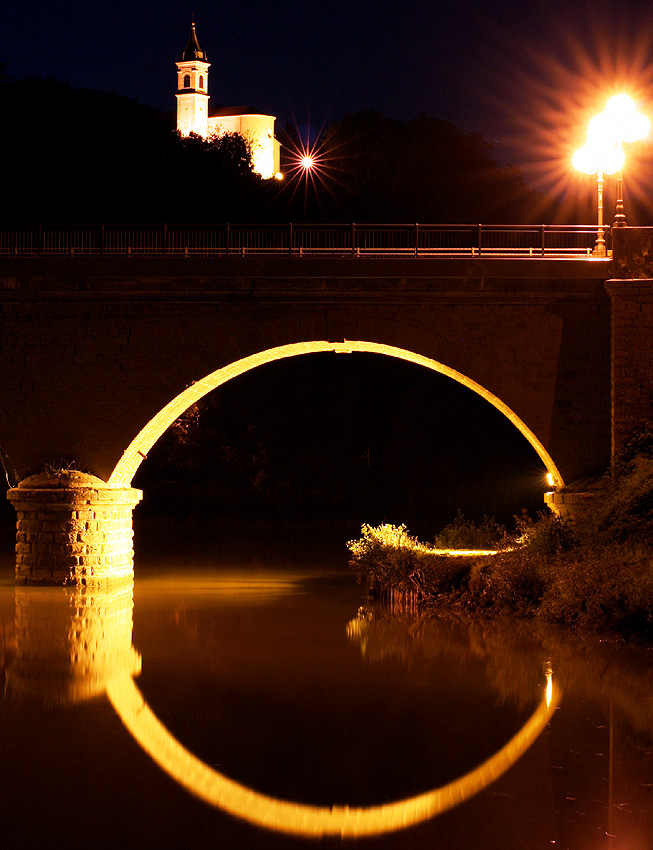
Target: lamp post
(619, 214)
(619, 123)
(599, 159)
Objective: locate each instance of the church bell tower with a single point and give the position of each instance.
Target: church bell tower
(193, 89)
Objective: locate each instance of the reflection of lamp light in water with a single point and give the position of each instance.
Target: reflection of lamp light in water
(300, 819)
(549, 686)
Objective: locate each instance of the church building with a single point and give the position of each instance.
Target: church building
(194, 116)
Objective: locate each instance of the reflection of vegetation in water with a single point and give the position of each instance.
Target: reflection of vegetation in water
(391, 631)
(515, 653)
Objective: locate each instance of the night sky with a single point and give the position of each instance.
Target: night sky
(526, 74)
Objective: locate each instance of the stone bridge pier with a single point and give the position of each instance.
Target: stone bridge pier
(73, 528)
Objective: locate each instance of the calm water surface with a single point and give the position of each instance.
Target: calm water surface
(255, 657)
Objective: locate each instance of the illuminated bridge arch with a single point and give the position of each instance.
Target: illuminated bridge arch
(137, 450)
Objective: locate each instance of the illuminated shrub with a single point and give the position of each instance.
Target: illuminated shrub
(391, 559)
(466, 534)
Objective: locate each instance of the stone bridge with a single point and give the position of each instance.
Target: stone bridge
(101, 354)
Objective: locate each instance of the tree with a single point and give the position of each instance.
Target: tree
(79, 156)
(424, 170)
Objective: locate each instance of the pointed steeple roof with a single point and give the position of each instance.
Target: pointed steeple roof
(193, 50)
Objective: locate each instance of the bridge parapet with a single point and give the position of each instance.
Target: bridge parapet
(321, 240)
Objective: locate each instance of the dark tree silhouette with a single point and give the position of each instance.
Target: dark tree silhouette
(79, 156)
(424, 170)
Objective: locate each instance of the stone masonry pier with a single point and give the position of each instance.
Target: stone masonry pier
(73, 529)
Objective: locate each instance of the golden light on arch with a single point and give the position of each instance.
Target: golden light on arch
(293, 818)
(137, 450)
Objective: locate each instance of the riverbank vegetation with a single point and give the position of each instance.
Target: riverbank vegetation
(594, 572)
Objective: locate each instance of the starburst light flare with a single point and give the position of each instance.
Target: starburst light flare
(618, 124)
(595, 158)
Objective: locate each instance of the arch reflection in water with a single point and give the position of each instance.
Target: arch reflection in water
(314, 821)
(76, 643)
(302, 819)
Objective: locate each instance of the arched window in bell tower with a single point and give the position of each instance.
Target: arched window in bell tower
(201, 81)
(187, 81)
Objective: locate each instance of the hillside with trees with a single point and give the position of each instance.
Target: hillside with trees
(81, 156)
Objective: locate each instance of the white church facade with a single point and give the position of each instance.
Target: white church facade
(194, 116)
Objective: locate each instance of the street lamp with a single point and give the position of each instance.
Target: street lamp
(619, 123)
(599, 158)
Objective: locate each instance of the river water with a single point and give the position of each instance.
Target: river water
(244, 693)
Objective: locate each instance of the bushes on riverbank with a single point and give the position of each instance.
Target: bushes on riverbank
(595, 572)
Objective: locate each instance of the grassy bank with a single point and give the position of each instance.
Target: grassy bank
(595, 572)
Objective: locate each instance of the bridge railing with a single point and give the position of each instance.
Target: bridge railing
(326, 240)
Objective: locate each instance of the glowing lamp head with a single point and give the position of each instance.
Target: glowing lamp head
(549, 479)
(620, 107)
(307, 162)
(618, 123)
(595, 158)
(638, 128)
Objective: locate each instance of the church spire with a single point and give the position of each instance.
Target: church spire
(193, 50)
(193, 89)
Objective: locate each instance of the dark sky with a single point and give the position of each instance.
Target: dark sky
(473, 62)
(528, 75)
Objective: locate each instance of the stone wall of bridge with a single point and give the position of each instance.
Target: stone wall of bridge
(631, 296)
(92, 349)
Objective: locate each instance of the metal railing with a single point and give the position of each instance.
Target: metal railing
(302, 240)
